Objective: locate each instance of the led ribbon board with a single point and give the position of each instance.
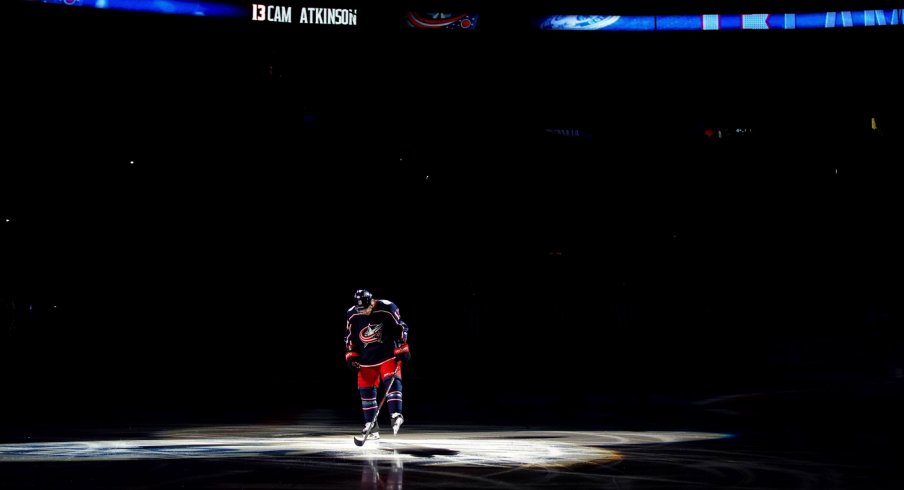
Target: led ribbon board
(176, 7)
(715, 22)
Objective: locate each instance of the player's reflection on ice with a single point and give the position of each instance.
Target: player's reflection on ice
(382, 474)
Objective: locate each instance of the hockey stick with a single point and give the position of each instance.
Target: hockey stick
(360, 442)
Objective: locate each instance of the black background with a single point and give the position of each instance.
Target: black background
(193, 202)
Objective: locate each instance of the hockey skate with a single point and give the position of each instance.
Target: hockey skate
(397, 421)
(371, 433)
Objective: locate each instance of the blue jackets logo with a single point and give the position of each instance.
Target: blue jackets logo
(372, 334)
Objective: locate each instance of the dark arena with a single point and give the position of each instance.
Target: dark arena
(577, 245)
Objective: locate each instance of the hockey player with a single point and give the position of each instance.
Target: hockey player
(376, 346)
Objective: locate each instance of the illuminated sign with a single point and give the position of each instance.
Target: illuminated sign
(258, 12)
(304, 15)
(176, 7)
(714, 22)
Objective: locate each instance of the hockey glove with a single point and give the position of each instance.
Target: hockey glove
(351, 360)
(401, 353)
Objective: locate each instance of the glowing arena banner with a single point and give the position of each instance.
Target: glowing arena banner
(175, 7)
(715, 22)
(259, 12)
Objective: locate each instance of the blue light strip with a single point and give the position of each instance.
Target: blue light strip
(815, 20)
(175, 7)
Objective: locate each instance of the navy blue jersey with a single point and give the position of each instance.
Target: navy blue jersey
(373, 337)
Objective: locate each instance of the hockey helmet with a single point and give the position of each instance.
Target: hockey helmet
(362, 299)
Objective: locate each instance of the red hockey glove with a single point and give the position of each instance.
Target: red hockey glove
(351, 360)
(401, 353)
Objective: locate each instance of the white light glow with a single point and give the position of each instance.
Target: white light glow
(424, 447)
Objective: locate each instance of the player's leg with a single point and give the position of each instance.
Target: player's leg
(393, 387)
(368, 379)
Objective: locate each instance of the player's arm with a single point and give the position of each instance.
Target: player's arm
(401, 351)
(400, 327)
(352, 356)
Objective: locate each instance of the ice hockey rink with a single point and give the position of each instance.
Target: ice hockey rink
(321, 454)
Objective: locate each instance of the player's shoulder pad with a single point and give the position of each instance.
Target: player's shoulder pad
(385, 305)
